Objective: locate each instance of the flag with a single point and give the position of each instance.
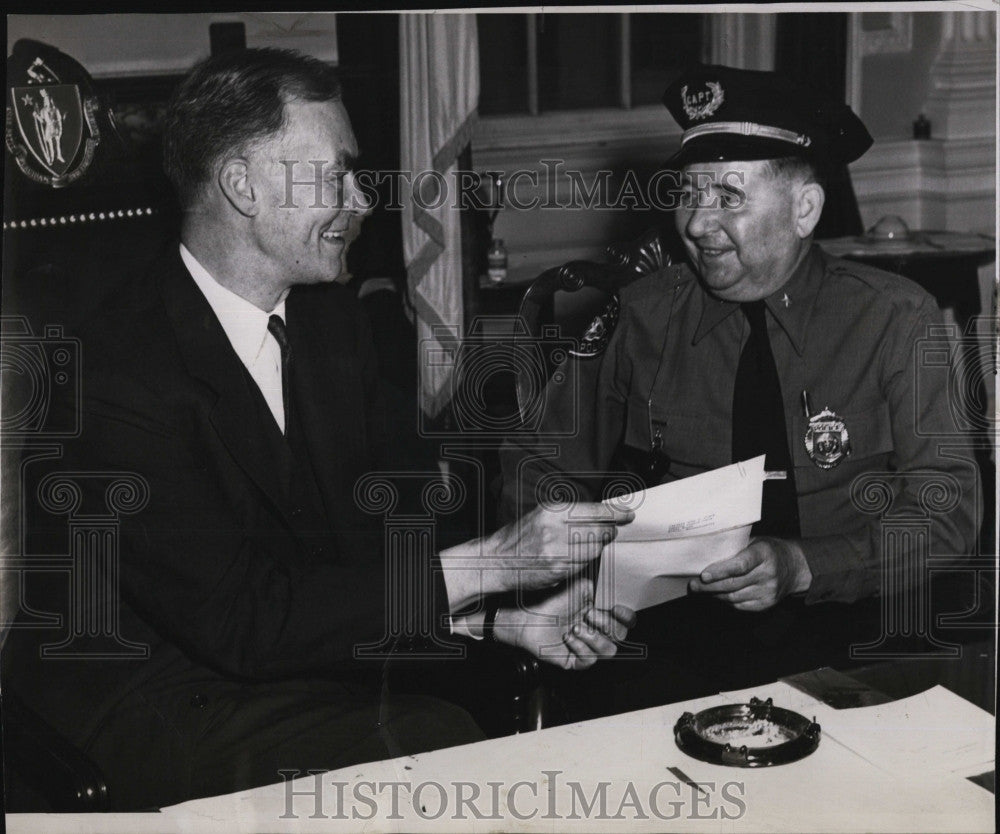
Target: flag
(439, 73)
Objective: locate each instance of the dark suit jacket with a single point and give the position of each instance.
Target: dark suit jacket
(221, 575)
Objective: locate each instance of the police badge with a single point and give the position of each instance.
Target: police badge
(827, 441)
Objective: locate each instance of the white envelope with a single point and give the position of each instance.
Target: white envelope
(680, 528)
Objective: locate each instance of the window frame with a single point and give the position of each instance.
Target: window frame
(735, 39)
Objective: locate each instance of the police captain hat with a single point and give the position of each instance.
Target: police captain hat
(734, 114)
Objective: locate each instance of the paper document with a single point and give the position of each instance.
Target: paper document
(935, 730)
(679, 529)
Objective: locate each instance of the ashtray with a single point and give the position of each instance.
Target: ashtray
(757, 734)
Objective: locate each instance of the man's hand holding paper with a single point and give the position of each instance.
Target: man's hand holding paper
(563, 628)
(679, 530)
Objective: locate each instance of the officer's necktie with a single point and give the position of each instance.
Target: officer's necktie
(759, 426)
(276, 327)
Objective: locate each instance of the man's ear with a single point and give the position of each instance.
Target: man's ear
(234, 180)
(811, 198)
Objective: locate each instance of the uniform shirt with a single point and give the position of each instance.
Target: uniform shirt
(850, 335)
(246, 329)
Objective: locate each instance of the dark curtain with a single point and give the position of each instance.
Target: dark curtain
(368, 46)
(813, 49)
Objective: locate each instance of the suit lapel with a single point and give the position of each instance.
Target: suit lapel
(327, 386)
(209, 356)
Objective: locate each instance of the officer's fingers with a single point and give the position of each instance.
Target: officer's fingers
(723, 586)
(755, 604)
(746, 594)
(743, 562)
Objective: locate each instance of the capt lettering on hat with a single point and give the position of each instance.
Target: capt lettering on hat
(704, 103)
(735, 114)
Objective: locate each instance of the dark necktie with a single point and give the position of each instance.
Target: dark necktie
(759, 426)
(276, 327)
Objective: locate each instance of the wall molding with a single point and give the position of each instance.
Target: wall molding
(931, 184)
(962, 97)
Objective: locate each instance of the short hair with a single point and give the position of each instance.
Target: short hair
(230, 102)
(797, 166)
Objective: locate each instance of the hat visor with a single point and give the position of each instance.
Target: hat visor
(727, 147)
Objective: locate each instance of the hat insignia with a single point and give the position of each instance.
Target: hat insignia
(827, 441)
(703, 104)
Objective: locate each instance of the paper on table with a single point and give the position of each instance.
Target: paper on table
(936, 729)
(679, 529)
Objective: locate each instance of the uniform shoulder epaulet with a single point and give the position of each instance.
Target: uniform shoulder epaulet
(876, 279)
(654, 283)
(678, 274)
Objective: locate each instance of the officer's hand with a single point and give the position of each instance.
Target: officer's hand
(757, 577)
(549, 545)
(563, 628)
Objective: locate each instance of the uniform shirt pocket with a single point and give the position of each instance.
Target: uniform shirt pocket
(869, 433)
(692, 443)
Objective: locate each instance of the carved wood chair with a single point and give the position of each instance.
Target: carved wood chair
(629, 261)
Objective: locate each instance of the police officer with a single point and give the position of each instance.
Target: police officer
(761, 344)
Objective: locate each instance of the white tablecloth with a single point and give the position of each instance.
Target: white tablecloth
(612, 775)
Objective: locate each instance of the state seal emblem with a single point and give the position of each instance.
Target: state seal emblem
(51, 128)
(827, 441)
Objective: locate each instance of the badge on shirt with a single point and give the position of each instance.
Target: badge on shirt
(827, 441)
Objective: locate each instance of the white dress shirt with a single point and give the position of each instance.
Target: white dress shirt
(246, 328)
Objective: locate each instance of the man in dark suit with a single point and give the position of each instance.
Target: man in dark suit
(236, 382)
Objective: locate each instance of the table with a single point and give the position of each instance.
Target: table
(621, 773)
(945, 264)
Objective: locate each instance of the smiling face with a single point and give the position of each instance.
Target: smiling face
(745, 227)
(308, 205)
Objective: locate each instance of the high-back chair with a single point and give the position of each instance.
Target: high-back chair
(84, 206)
(584, 327)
